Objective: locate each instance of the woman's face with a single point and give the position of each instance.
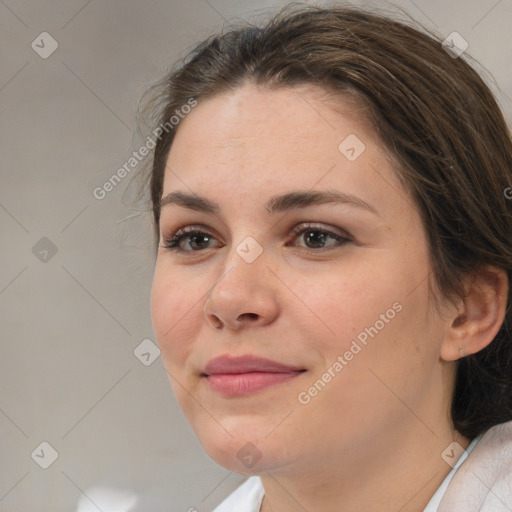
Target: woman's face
(309, 254)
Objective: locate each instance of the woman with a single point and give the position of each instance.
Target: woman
(334, 247)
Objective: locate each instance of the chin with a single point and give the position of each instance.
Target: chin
(246, 449)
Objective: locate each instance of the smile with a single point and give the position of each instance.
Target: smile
(246, 374)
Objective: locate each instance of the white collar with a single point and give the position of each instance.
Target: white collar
(438, 495)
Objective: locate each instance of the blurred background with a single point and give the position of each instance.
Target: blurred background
(87, 417)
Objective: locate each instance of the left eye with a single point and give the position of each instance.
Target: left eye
(198, 240)
(316, 237)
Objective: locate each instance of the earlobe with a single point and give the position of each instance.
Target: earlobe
(479, 314)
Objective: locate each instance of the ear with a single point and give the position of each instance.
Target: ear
(479, 315)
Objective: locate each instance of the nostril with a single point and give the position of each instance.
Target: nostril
(249, 315)
(215, 321)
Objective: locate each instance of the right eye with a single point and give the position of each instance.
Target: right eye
(196, 238)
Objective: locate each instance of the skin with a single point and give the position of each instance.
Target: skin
(372, 438)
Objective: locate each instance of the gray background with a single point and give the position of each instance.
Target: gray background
(71, 320)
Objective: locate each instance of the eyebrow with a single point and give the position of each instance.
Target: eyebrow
(290, 201)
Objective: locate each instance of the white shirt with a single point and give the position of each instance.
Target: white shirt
(248, 497)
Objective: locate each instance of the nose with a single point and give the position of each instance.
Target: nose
(245, 296)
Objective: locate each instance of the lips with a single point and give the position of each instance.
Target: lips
(246, 364)
(235, 376)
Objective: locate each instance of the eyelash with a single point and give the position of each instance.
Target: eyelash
(173, 241)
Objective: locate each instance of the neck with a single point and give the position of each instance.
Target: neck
(401, 474)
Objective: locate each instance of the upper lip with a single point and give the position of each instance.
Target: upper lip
(246, 364)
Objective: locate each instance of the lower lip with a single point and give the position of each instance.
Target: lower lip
(237, 384)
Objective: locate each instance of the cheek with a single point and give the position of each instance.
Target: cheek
(342, 304)
(381, 306)
(175, 312)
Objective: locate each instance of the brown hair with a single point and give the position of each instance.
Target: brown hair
(434, 113)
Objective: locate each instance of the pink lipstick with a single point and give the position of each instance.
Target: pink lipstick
(237, 376)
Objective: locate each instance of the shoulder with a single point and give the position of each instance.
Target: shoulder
(483, 482)
(246, 498)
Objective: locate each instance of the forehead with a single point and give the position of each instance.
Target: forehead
(252, 139)
(304, 116)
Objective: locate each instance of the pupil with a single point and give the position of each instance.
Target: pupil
(319, 239)
(199, 236)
